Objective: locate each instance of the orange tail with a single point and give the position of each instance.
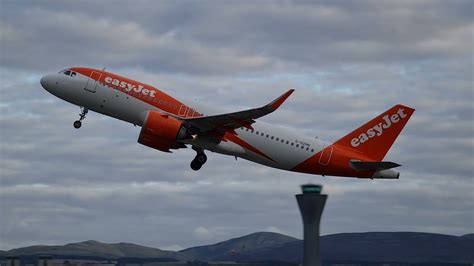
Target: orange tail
(375, 138)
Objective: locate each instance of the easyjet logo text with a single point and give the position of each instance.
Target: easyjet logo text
(378, 129)
(130, 87)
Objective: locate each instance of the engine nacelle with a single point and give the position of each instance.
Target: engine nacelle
(161, 131)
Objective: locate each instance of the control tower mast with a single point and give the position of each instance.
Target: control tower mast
(311, 203)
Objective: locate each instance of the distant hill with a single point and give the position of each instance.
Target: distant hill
(412, 247)
(377, 247)
(468, 236)
(233, 247)
(95, 248)
(364, 247)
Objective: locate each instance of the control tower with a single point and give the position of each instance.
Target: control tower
(311, 203)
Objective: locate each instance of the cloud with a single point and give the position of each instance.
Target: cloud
(117, 43)
(234, 38)
(172, 248)
(202, 233)
(348, 62)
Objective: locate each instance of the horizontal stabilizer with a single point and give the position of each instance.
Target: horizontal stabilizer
(372, 166)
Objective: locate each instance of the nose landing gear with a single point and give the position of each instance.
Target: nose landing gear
(199, 160)
(82, 115)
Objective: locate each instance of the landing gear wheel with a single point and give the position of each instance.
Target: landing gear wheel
(195, 165)
(201, 158)
(82, 115)
(77, 124)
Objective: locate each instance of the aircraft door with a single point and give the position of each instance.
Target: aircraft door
(326, 154)
(92, 81)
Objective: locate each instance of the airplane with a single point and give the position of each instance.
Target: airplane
(168, 124)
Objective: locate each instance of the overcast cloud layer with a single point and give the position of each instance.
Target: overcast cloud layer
(348, 62)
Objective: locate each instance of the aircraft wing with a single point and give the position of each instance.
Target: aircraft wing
(230, 121)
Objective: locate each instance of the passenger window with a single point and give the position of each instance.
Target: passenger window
(256, 132)
(277, 139)
(267, 136)
(312, 150)
(292, 144)
(261, 134)
(297, 145)
(272, 137)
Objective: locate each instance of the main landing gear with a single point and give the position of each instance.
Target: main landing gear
(199, 160)
(78, 123)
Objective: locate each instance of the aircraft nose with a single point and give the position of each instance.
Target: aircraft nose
(46, 82)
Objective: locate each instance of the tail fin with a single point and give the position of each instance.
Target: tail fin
(375, 137)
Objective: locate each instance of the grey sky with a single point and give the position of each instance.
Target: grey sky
(348, 62)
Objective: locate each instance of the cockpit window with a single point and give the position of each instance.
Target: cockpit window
(68, 73)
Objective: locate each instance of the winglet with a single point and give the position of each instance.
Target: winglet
(279, 101)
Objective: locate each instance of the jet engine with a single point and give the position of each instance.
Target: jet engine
(161, 132)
